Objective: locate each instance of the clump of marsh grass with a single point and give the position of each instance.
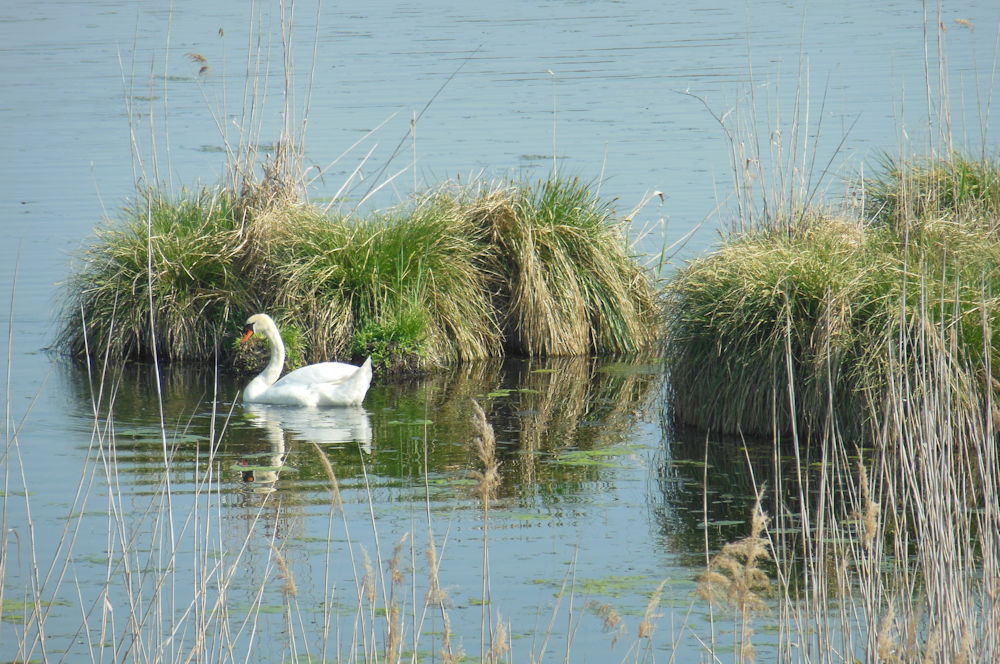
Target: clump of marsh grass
(956, 186)
(732, 315)
(568, 283)
(825, 293)
(404, 286)
(455, 274)
(174, 257)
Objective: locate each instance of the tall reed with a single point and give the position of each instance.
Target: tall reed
(836, 289)
(887, 552)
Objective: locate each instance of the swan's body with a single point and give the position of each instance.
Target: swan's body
(323, 384)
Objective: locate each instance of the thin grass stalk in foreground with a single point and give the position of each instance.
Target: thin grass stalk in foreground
(897, 547)
(488, 481)
(436, 597)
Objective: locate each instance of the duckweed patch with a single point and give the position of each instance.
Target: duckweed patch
(616, 585)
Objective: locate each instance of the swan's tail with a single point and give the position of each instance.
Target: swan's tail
(351, 391)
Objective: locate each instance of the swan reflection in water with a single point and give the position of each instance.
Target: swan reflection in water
(328, 426)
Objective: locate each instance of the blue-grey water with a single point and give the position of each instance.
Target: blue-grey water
(596, 488)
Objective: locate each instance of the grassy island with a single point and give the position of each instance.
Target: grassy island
(832, 307)
(457, 273)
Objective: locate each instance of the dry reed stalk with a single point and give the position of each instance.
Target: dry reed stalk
(488, 481)
(394, 638)
(500, 642)
(485, 442)
(647, 627)
(612, 621)
(735, 578)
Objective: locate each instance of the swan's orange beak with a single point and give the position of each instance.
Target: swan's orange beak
(247, 335)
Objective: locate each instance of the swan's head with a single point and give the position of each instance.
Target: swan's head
(257, 323)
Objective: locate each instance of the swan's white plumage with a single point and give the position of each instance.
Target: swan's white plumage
(323, 384)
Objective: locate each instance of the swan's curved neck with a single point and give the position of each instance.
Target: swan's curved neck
(272, 371)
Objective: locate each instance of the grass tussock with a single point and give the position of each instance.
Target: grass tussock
(809, 306)
(567, 284)
(457, 273)
(179, 257)
(919, 188)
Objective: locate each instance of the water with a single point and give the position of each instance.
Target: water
(594, 485)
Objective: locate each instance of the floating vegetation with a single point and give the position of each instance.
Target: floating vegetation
(599, 457)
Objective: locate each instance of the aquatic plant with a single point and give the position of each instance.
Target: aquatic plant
(173, 257)
(456, 273)
(917, 188)
(407, 285)
(565, 281)
(812, 305)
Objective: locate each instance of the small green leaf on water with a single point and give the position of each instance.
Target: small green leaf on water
(527, 516)
(615, 585)
(273, 609)
(599, 458)
(241, 467)
(154, 436)
(12, 608)
(722, 522)
(686, 462)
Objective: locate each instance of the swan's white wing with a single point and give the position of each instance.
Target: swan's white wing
(315, 374)
(324, 384)
(348, 392)
(287, 394)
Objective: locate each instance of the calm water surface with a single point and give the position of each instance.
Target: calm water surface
(594, 485)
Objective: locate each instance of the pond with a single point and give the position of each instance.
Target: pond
(600, 500)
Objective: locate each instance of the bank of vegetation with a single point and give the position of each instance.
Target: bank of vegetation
(457, 273)
(820, 304)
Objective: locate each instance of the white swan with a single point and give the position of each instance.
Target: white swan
(323, 384)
